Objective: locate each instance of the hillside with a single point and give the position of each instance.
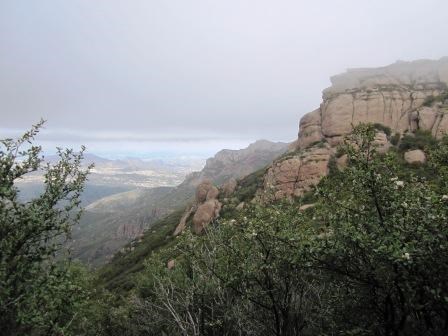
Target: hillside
(111, 222)
(400, 100)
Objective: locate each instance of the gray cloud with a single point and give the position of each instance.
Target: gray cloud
(194, 71)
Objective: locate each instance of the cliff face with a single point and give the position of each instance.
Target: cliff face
(404, 97)
(229, 163)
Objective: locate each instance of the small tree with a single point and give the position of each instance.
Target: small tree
(385, 243)
(36, 290)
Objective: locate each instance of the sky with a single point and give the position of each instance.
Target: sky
(164, 78)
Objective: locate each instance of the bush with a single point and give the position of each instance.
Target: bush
(383, 128)
(39, 290)
(419, 140)
(395, 139)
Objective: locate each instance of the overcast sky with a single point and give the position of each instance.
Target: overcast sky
(193, 76)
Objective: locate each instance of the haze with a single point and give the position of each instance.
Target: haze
(148, 78)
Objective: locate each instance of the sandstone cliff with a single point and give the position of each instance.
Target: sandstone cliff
(404, 97)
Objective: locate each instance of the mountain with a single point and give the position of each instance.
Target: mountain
(111, 222)
(400, 99)
(407, 103)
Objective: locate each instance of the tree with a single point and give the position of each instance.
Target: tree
(245, 276)
(385, 243)
(37, 291)
(370, 257)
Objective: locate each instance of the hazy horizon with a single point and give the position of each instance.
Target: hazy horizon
(154, 79)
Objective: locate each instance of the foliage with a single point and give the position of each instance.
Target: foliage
(237, 279)
(118, 275)
(38, 294)
(383, 128)
(420, 139)
(369, 258)
(386, 241)
(395, 139)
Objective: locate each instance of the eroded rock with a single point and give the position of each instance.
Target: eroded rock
(205, 214)
(229, 187)
(295, 175)
(415, 156)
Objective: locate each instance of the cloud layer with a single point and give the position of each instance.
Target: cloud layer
(194, 72)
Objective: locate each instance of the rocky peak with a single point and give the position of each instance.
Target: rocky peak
(229, 163)
(404, 97)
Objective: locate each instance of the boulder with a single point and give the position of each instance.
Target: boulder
(342, 162)
(415, 156)
(212, 193)
(306, 206)
(295, 175)
(170, 264)
(202, 190)
(229, 187)
(240, 206)
(205, 214)
(183, 221)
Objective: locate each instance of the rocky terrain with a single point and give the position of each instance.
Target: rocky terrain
(403, 97)
(111, 222)
(399, 99)
(403, 100)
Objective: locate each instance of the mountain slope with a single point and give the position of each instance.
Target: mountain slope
(111, 222)
(418, 88)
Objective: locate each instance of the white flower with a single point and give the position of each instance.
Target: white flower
(394, 179)
(404, 204)
(445, 197)
(406, 256)
(399, 183)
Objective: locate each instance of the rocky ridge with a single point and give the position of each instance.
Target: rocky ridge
(403, 97)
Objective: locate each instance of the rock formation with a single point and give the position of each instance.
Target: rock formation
(415, 156)
(404, 97)
(224, 168)
(205, 209)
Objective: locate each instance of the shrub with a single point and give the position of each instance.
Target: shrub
(395, 139)
(421, 139)
(383, 128)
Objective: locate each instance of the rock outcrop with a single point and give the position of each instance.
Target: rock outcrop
(294, 175)
(393, 96)
(205, 214)
(415, 156)
(205, 209)
(403, 97)
(224, 168)
(229, 186)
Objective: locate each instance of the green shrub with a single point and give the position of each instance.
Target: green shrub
(383, 128)
(395, 139)
(419, 140)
